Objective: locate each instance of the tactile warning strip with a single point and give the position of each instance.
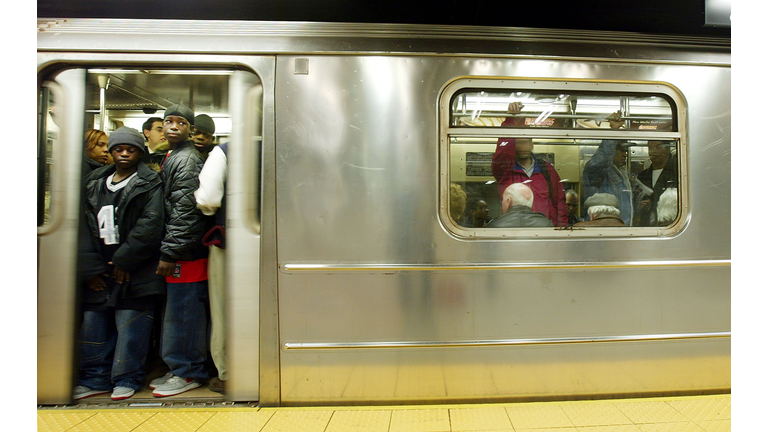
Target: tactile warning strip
(672, 414)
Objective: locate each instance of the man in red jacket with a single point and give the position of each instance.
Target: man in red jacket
(514, 162)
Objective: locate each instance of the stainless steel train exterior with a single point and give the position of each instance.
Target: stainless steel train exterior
(348, 282)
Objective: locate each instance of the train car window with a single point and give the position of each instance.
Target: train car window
(522, 161)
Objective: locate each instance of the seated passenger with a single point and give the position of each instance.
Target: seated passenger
(516, 206)
(572, 206)
(119, 252)
(514, 162)
(476, 213)
(603, 211)
(458, 202)
(666, 209)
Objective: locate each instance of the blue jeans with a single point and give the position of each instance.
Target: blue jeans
(113, 348)
(184, 345)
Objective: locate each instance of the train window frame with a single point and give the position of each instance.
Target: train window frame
(51, 150)
(447, 132)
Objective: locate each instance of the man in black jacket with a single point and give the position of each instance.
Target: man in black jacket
(119, 252)
(661, 175)
(183, 261)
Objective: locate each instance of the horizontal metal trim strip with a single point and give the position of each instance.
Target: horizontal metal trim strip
(501, 342)
(521, 266)
(366, 30)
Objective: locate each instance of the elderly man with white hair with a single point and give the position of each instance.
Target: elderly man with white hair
(603, 210)
(516, 204)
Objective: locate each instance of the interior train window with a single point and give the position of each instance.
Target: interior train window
(554, 158)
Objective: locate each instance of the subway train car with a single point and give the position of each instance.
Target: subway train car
(364, 166)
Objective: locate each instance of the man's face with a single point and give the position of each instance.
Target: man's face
(155, 135)
(203, 140)
(125, 156)
(481, 212)
(571, 204)
(620, 158)
(523, 148)
(658, 153)
(176, 129)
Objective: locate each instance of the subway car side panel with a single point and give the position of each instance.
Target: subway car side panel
(378, 302)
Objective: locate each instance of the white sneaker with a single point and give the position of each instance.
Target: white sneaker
(82, 392)
(120, 393)
(160, 381)
(175, 385)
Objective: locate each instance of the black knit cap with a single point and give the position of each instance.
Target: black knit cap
(180, 110)
(125, 136)
(205, 123)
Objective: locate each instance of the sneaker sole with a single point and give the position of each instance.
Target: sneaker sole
(119, 398)
(89, 394)
(164, 393)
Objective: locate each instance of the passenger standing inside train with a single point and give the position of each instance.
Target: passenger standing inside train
(514, 162)
(124, 219)
(211, 200)
(183, 261)
(516, 205)
(606, 171)
(603, 211)
(157, 145)
(95, 153)
(202, 134)
(661, 175)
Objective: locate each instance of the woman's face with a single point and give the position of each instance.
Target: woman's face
(99, 151)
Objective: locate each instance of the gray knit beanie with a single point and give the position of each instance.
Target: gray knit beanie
(125, 136)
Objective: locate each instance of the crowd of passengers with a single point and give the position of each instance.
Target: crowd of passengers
(151, 248)
(532, 195)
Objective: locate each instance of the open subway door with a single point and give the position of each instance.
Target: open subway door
(105, 95)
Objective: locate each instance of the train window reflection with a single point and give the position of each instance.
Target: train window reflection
(516, 108)
(576, 183)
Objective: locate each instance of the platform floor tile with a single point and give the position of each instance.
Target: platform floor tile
(114, 422)
(538, 416)
(55, 421)
(246, 421)
(177, 421)
(354, 421)
(420, 420)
